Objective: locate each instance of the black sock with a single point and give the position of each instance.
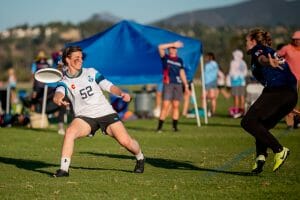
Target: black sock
(175, 122)
(160, 124)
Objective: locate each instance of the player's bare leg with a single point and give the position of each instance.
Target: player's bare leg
(163, 114)
(77, 129)
(176, 113)
(119, 132)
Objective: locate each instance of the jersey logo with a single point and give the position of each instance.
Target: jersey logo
(90, 79)
(258, 52)
(73, 86)
(178, 64)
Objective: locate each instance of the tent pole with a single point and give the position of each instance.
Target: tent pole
(44, 105)
(195, 105)
(7, 100)
(203, 90)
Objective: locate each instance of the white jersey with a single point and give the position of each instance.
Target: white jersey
(85, 93)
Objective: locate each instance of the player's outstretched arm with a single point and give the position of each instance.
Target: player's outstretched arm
(118, 92)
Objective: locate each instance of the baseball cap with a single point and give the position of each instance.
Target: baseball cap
(296, 35)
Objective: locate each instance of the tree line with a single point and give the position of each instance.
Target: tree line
(19, 53)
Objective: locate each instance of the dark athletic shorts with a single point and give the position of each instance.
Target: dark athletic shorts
(172, 92)
(100, 122)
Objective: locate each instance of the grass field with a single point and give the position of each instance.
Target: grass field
(208, 162)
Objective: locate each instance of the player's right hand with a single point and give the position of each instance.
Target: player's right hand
(63, 103)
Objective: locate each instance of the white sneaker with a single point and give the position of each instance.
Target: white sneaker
(61, 131)
(209, 114)
(156, 112)
(237, 115)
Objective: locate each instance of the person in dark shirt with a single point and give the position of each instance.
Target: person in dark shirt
(8, 120)
(38, 87)
(173, 78)
(278, 98)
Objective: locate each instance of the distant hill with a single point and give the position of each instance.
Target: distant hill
(105, 17)
(249, 13)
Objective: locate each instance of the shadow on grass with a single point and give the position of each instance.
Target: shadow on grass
(168, 126)
(135, 128)
(39, 130)
(224, 125)
(213, 124)
(172, 164)
(36, 166)
(31, 165)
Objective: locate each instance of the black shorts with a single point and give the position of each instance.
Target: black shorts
(100, 122)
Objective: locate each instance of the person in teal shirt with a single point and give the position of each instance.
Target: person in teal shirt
(211, 69)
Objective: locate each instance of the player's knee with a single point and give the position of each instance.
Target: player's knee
(243, 123)
(175, 107)
(70, 134)
(247, 123)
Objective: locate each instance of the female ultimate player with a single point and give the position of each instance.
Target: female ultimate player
(83, 87)
(278, 98)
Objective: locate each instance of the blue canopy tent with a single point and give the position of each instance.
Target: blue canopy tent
(127, 53)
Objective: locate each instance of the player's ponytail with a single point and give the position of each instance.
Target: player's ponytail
(261, 37)
(268, 39)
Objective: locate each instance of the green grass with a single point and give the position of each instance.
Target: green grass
(208, 162)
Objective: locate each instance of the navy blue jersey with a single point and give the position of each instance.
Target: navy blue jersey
(268, 75)
(171, 69)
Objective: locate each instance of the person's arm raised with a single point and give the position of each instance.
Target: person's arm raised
(163, 47)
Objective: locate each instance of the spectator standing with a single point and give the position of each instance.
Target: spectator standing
(38, 87)
(186, 99)
(173, 78)
(237, 74)
(222, 85)
(62, 111)
(158, 100)
(211, 69)
(12, 84)
(291, 53)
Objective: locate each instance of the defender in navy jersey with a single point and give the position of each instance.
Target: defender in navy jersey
(83, 87)
(173, 78)
(278, 98)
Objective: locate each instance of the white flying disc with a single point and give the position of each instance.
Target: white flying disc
(48, 75)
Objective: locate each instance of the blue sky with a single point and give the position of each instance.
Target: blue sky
(32, 12)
